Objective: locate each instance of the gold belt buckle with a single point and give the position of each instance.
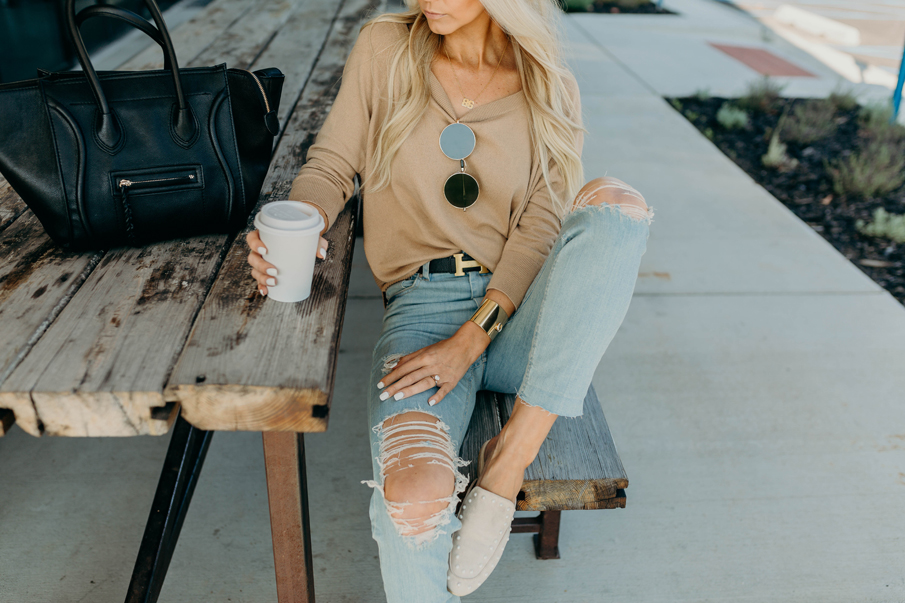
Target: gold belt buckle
(460, 264)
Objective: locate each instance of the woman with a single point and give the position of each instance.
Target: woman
(546, 265)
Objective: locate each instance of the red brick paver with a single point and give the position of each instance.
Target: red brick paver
(762, 61)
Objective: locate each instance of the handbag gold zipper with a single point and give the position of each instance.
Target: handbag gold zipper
(261, 88)
(126, 183)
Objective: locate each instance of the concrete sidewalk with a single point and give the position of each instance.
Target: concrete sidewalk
(755, 391)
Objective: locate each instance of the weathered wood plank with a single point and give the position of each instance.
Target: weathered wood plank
(11, 205)
(240, 44)
(101, 367)
(192, 37)
(577, 467)
(95, 387)
(37, 280)
(485, 423)
(296, 48)
(294, 346)
(7, 418)
(289, 348)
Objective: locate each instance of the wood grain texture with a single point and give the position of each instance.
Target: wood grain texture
(11, 204)
(240, 44)
(37, 280)
(192, 37)
(253, 364)
(102, 365)
(243, 339)
(296, 48)
(485, 423)
(577, 467)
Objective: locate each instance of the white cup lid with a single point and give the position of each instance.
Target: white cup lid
(290, 215)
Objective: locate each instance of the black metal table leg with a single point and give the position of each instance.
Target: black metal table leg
(185, 455)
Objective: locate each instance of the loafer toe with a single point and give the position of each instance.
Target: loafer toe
(478, 546)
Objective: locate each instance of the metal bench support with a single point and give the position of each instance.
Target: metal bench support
(181, 467)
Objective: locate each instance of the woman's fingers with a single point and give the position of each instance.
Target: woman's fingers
(256, 261)
(441, 393)
(254, 242)
(263, 279)
(420, 386)
(322, 248)
(406, 381)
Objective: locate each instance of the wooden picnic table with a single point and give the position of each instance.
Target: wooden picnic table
(130, 342)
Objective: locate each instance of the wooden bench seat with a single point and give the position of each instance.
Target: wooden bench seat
(577, 467)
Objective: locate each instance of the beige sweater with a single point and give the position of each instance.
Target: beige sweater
(510, 229)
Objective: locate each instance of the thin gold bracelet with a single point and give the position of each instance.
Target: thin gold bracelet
(490, 317)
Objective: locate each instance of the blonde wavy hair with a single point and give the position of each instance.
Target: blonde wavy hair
(534, 28)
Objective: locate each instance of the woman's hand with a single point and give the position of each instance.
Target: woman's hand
(449, 359)
(264, 272)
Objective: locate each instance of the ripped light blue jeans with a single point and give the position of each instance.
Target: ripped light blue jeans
(547, 354)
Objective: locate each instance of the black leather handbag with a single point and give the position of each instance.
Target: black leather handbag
(128, 158)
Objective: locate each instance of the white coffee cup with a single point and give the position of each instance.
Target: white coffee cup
(290, 230)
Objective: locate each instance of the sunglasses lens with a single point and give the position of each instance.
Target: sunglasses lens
(457, 141)
(461, 190)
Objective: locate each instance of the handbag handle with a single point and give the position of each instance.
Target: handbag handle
(129, 17)
(108, 131)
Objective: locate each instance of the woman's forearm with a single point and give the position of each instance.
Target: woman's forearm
(474, 339)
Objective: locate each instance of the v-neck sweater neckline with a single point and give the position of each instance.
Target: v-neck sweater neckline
(481, 111)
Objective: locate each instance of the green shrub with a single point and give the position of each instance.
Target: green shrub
(761, 95)
(875, 121)
(810, 121)
(890, 226)
(877, 169)
(730, 117)
(575, 5)
(676, 104)
(843, 100)
(776, 151)
(702, 94)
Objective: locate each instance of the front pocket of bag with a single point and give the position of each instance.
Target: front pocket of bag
(161, 203)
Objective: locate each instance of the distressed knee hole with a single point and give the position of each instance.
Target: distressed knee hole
(615, 193)
(419, 470)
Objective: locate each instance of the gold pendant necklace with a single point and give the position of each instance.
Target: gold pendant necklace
(467, 102)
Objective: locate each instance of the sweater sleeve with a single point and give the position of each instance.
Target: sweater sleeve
(532, 239)
(339, 150)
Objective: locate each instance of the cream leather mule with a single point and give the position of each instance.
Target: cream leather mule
(477, 547)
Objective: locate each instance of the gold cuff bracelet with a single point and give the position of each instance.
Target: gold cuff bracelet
(490, 317)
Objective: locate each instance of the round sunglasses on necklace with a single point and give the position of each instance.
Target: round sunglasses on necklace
(457, 141)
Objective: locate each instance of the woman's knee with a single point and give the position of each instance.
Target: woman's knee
(613, 191)
(420, 473)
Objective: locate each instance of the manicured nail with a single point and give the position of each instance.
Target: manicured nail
(272, 282)
(261, 291)
(323, 252)
(272, 271)
(384, 395)
(399, 396)
(262, 250)
(380, 385)
(431, 402)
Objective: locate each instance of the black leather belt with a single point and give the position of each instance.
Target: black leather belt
(458, 264)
